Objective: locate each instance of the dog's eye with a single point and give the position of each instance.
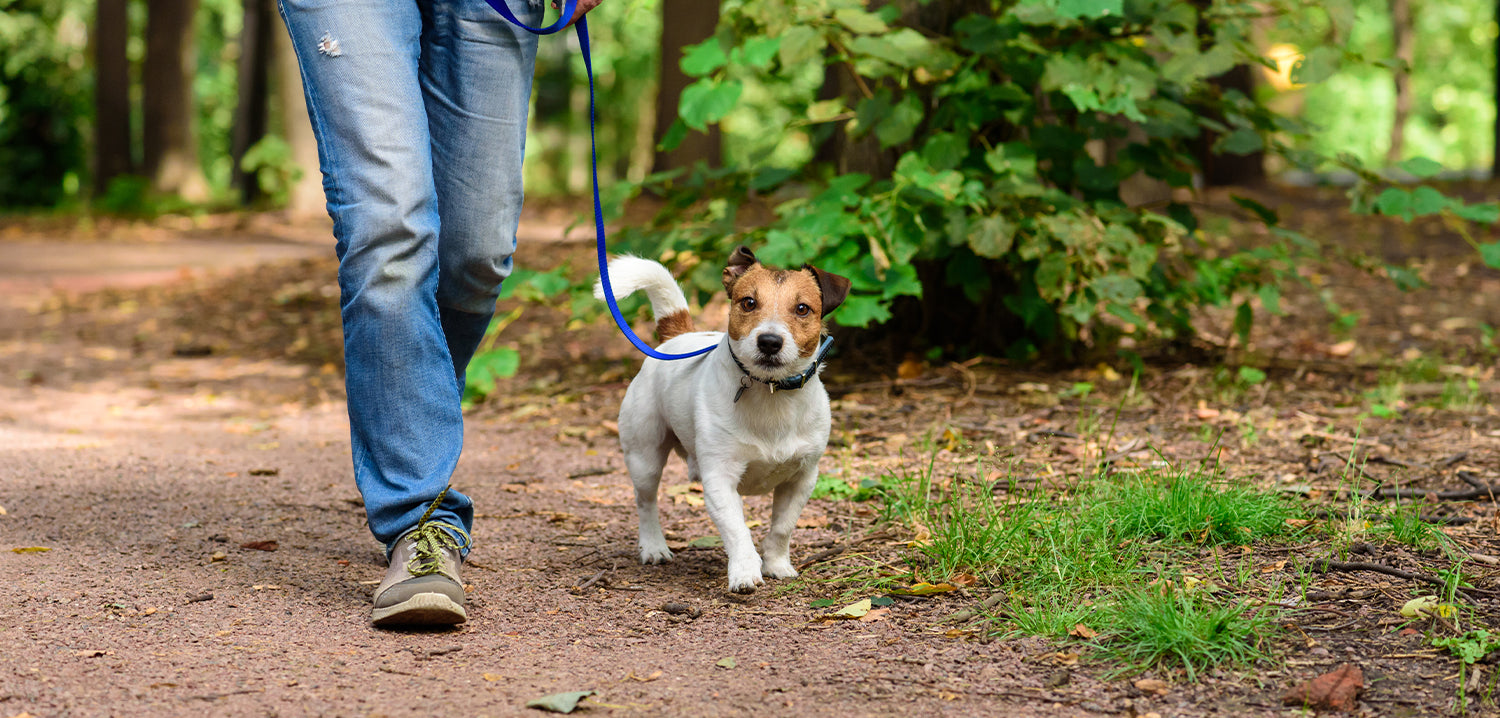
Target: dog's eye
(747, 304)
(803, 310)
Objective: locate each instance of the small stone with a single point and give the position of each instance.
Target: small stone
(1057, 679)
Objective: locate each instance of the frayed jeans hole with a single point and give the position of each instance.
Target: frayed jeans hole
(329, 45)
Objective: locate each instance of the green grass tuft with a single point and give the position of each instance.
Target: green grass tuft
(1164, 629)
(1190, 506)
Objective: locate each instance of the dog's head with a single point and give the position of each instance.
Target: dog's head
(776, 315)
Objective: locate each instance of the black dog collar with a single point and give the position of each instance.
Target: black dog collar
(788, 384)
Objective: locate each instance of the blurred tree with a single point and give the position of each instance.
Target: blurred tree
(683, 23)
(170, 156)
(1401, 32)
(253, 81)
(44, 101)
(306, 193)
(112, 140)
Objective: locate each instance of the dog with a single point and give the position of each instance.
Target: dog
(750, 417)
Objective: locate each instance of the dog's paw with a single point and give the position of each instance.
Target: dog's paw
(655, 554)
(779, 569)
(744, 581)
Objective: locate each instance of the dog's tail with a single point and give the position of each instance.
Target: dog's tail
(629, 274)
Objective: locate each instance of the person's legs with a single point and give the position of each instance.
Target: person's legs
(360, 75)
(476, 80)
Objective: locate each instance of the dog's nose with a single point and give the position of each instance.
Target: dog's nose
(769, 343)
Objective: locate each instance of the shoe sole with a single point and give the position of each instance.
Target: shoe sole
(423, 609)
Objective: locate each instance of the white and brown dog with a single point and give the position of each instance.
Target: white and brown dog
(750, 417)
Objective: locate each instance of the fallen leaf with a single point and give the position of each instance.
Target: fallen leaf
(559, 702)
(31, 549)
(260, 545)
(93, 653)
(1152, 685)
(726, 663)
(654, 675)
(1424, 606)
(1273, 567)
(706, 542)
(875, 614)
(1337, 690)
(1205, 412)
(853, 610)
(926, 589)
(910, 368)
(1082, 631)
(264, 472)
(218, 556)
(812, 522)
(1063, 658)
(2, 510)
(149, 611)
(492, 677)
(266, 587)
(963, 579)
(1342, 349)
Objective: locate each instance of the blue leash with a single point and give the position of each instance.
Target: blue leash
(569, 6)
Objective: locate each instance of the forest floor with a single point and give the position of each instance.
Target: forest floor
(180, 533)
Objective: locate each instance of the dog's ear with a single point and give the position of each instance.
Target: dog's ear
(835, 289)
(739, 262)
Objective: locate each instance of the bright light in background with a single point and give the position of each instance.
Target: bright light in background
(1286, 56)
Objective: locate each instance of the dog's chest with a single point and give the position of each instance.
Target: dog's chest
(763, 476)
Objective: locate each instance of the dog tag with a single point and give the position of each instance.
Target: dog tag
(744, 384)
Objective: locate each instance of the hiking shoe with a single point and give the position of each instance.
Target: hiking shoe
(422, 586)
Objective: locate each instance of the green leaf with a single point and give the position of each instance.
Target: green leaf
(1426, 200)
(992, 236)
(674, 136)
(726, 662)
(1090, 8)
(559, 702)
(1250, 375)
(703, 58)
(945, 150)
(1244, 320)
(1490, 253)
(1394, 202)
(1270, 299)
(1317, 65)
(825, 110)
(860, 21)
(860, 310)
(1263, 212)
(1012, 157)
(1487, 213)
(706, 542)
(758, 51)
(898, 126)
(1241, 142)
(800, 44)
(706, 101)
(1421, 167)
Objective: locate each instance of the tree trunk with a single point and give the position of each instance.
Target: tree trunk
(1401, 31)
(683, 23)
(253, 73)
(111, 94)
(171, 152)
(1221, 170)
(306, 198)
(1495, 163)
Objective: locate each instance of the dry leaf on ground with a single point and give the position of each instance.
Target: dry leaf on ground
(559, 702)
(260, 545)
(1337, 690)
(1153, 685)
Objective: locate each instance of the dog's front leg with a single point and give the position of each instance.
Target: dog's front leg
(786, 505)
(722, 499)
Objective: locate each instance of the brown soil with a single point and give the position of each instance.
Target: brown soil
(144, 431)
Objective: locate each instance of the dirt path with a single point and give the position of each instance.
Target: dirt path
(144, 473)
(149, 434)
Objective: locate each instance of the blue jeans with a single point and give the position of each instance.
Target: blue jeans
(419, 108)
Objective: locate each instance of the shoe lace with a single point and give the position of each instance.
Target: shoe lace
(431, 538)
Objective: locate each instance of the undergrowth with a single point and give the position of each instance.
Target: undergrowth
(1108, 560)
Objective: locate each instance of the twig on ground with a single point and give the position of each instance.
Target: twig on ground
(595, 579)
(1327, 566)
(826, 554)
